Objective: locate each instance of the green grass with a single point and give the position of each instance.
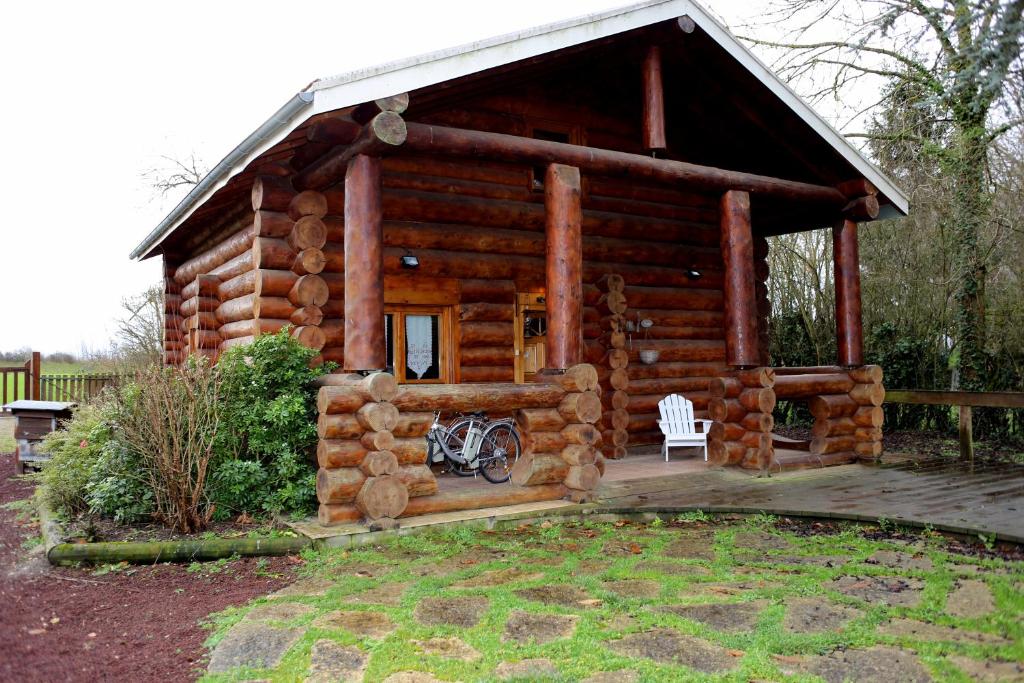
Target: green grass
(7, 443)
(16, 381)
(584, 556)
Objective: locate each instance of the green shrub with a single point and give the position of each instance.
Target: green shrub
(268, 413)
(74, 452)
(118, 487)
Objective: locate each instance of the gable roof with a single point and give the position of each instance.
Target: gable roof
(405, 75)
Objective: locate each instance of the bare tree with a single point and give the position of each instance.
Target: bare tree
(174, 173)
(960, 63)
(139, 334)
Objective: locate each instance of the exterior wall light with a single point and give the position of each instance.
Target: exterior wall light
(410, 261)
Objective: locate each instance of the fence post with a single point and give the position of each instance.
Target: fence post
(32, 377)
(966, 434)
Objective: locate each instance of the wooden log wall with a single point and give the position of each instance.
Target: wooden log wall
(615, 381)
(741, 406)
(258, 280)
(365, 471)
(174, 342)
(372, 453)
(846, 405)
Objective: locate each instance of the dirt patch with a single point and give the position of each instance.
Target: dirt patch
(310, 586)
(376, 625)
(730, 588)
(389, 594)
(110, 627)
(970, 600)
(558, 594)
(591, 567)
(734, 617)
(449, 648)
(497, 577)
(464, 612)
(879, 664)
(816, 615)
(890, 590)
(919, 630)
(330, 661)
(898, 560)
(991, 671)
(278, 611)
(667, 646)
(621, 676)
(412, 677)
(693, 546)
(761, 541)
(672, 568)
(525, 627)
(634, 588)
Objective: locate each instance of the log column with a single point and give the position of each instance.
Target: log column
(849, 330)
(654, 102)
(364, 266)
(740, 297)
(564, 266)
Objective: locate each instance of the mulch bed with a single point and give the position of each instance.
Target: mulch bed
(138, 623)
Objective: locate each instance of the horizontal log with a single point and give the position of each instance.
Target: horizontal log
(307, 315)
(271, 193)
(377, 386)
(724, 387)
(531, 469)
(236, 341)
(839, 426)
(440, 141)
(202, 285)
(410, 451)
(378, 417)
(469, 397)
(639, 371)
(309, 290)
(583, 477)
(486, 334)
(339, 485)
(578, 454)
(473, 312)
(867, 374)
(377, 441)
(214, 256)
(308, 231)
(832, 444)
(251, 328)
(648, 403)
(582, 407)
(331, 515)
(867, 434)
(483, 374)
(805, 386)
(385, 130)
(580, 377)
(488, 291)
(334, 453)
(809, 370)
(339, 426)
(250, 307)
(307, 203)
(379, 463)
(868, 449)
(476, 497)
(580, 434)
(272, 253)
(668, 385)
(540, 420)
(726, 410)
(197, 304)
(411, 425)
(418, 480)
(760, 400)
(868, 394)
(487, 356)
(272, 224)
(833, 405)
(543, 442)
(309, 261)
(868, 417)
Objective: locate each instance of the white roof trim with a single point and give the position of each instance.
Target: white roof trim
(410, 74)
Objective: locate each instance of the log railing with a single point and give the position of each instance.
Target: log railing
(964, 401)
(372, 453)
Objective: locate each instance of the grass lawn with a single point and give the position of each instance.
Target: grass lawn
(694, 599)
(7, 444)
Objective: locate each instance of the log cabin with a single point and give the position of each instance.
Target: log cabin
(566, 224)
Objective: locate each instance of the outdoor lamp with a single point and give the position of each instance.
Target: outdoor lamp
(692, 273)
(410, 261)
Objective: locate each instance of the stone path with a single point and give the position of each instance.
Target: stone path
(698, 600)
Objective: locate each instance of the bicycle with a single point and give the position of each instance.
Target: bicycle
(471, 443)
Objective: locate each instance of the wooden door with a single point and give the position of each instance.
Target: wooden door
(530, 336)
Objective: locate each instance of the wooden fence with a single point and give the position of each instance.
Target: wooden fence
(964, 400)
(28, 382)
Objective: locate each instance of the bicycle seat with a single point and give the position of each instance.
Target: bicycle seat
(477, 413)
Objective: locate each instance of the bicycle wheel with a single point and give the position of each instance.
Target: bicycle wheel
(455, 439)
(499, 452)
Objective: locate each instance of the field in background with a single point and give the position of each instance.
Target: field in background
(6, 434)
(49, 368)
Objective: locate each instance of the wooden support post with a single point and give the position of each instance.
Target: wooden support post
(364, 266)
(966, 434)
(654, 102)
(849, 331)
(740, 301)
(35, 369)
(564, 266)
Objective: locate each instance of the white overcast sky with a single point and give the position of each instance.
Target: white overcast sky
(93, 93)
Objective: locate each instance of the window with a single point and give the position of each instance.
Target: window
(418, 341)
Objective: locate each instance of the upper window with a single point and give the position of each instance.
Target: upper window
(551, 132)
(418, 340)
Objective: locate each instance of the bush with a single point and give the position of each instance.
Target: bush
(170, 418)
(74, 452)
(269, 419)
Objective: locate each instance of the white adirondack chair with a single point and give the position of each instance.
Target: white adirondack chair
(678, 425)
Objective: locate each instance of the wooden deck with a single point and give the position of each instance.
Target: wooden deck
(950, 495)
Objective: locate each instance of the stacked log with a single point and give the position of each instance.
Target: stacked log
(615, 385)
(174, 343)
(868, 394)
(741, 405)
(487, 332)
(364, 470)
(559, 442)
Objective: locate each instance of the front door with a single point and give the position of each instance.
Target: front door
(531, 336)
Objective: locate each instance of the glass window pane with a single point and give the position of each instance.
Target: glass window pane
(422, 350)
(389, 343)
